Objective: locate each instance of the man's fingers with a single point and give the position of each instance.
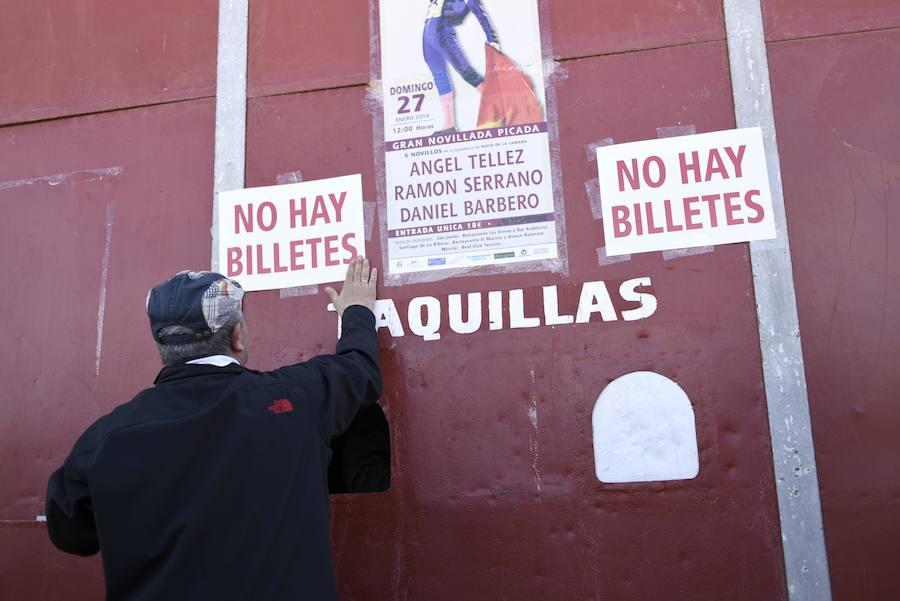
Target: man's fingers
(358, 272)
(373, 277)
(332, 294)
(351, 273)
(364, 272)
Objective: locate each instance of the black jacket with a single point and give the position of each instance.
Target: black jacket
(213, 484)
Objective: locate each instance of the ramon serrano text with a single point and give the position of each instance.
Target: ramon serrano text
(472, 183)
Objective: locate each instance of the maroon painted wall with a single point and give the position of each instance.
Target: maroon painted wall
(836, 100)
(101, 206)
(70, 58)
(464, 517)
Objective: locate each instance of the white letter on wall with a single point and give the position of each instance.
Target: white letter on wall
(628, 291)
(595, 299)
(517, 317)
(495, 309)
(427, 328)
(386, 317)
(454, 311)
(551, 309)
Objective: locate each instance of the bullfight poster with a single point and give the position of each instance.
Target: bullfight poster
(468, 179)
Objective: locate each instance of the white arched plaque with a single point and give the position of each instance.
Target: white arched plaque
(644, 430)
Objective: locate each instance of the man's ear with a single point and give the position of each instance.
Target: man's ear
(238, 344)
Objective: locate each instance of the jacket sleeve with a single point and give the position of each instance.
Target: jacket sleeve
(478, 8)
(361, 456)
(350, 378)
(70, 515)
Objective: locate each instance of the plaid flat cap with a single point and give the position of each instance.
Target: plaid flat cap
(201, 301)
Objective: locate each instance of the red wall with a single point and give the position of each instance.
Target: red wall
(836, 99)
(109, 190)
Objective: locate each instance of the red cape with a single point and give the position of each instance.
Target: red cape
(507, 96)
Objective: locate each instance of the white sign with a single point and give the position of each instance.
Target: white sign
(291, 235)
(685, 191)
(467, 157)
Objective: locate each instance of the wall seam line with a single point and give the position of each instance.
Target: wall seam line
(647, 49)
(561, 59)
(833, 34)
(129, 107)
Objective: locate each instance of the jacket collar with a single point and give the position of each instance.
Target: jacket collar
(181, 371)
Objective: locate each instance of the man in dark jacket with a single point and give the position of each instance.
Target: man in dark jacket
(213, 484)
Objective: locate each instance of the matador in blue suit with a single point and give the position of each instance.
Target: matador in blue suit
(440, 46)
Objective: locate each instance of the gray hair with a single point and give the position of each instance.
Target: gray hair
(217, 344)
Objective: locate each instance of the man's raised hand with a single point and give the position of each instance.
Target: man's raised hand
(359, 287)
